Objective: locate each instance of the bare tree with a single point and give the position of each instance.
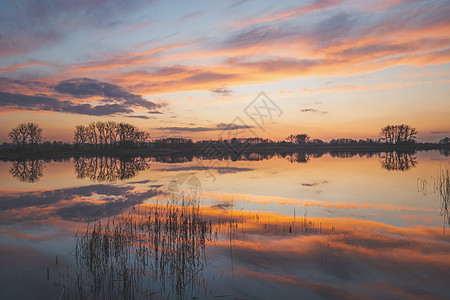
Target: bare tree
(109, 133)
(14, 135)
(81, 136)
(142, 137)
(23, 133)
(77, 136)
(101, 128)
(26, 133)
(35, 134)
(302, 138)
(398, 134)
(92, 135)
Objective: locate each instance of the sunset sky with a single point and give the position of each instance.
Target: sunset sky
(188, 68)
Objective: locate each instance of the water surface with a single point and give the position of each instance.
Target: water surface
(363, 226)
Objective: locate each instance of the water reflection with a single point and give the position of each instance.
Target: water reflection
(162, 250)
(444, 192)
(159, 250)
(73, 204)
(353, 241)
(110, 169)
(392, 161)
(298, 157)
(174, 158)
(398, 161)
(29, 171)
(330, 258)
(439, 185)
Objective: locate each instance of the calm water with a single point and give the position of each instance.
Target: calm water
(284, 227)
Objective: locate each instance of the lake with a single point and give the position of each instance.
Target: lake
(297, 226)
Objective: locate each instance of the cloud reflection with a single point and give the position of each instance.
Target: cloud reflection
(286, 256)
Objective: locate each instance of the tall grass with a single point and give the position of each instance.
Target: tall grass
(158, 250)
(148, 252)
(443, 187)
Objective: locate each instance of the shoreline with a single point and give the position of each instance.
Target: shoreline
(221, 151)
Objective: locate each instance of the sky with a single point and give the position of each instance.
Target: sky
(328, 68)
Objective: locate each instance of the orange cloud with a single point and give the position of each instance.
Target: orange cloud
(14, 67)
(289, 13)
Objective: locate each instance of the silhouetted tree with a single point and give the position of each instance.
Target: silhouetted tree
(298, 138)
(101, 128)
(127, 134)
(445, 141)
(26, 133)
(398, 134)
(23, 133)
(256, 140)
(81, 135)
(99, 134)
(142, 137)
(92, 135)
(316, 142)
(14, 135)
(177, 140)
(35, 134)
(343, 141)
(111, 133)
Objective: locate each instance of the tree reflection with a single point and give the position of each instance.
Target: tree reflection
(173, 158)
(28, 170)
(141, 254)
(305, 156)
(112, 168)
(298, 157)
(109, 168)
(398, 161)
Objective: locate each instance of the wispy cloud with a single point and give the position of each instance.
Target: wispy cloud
(312, 110)
(439, 132)
(220, 127)
(313, 39)
(222, 91)
(32, 25)
(337, 42)
(139, 117)
(291, 12)
(315, 183)
(14, 67)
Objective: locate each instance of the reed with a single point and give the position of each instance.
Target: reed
(152, 250)
(443, 187)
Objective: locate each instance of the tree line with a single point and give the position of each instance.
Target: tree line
(390, 134)
(109, 135)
